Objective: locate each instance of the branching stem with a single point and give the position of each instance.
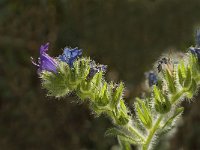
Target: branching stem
(152, 133)
(134, 131)
(177, 96)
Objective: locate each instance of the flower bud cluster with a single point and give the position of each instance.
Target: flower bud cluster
(70, 72)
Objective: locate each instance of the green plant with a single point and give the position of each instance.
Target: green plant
(174, 81)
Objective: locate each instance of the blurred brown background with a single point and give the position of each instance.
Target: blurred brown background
(127, 35)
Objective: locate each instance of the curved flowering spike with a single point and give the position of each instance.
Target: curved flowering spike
(175, 81)
(45, 62)
(70, 55)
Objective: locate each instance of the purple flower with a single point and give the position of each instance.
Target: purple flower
(45, 62)
(94, 68)
(70, 55)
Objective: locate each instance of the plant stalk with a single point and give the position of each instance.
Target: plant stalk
(134, 131)
(152, 133)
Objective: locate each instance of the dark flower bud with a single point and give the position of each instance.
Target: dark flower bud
(151, 78)
(95, 68)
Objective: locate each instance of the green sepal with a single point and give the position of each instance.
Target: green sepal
(99, 80)
(194, 63)
(78, 73)
(84, 67)
(143, 113)
(188, 78)
(90, 88)
(95, 85)
(117, 95)
(170, 81)
(180, 76)
(123, 107)
(122, 113)
(122, 119)
(72, 79)
(98, 110)
(56, 83)
(162, 103)
(96, 82)
(85, 90)
(183, 69)
(102, 99)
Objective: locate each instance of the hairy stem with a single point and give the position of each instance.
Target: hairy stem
(123, 144)
(134, 131)
(152, 133)
(177, 96)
